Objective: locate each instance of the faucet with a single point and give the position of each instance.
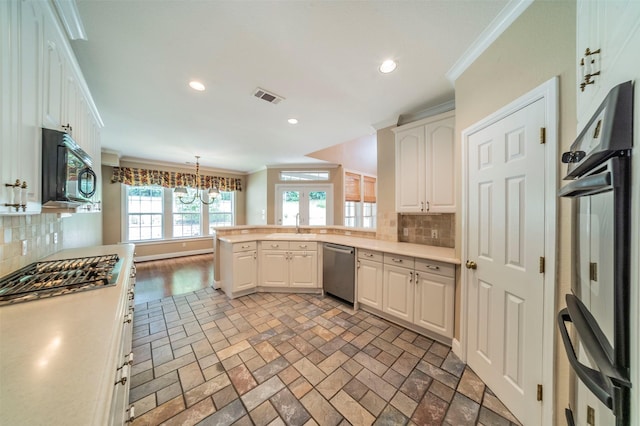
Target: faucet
(297, 223)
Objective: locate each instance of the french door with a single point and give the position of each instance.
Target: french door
(308, 205)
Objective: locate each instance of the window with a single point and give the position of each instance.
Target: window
(155, 213)
(304, 204)
(144, 213)
(359, 200)
(221, 211)
(186, 217)
(308, 175)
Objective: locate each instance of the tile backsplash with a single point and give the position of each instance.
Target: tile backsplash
(387, 226)
(37, 230)
(419, 229)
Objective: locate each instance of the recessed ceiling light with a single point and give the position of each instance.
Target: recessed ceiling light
(292, 121)
(196, 85)
(388, 66)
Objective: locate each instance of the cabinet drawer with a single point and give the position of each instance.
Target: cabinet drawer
(249, 245)
(398, 260)
(274, 245)
(435, 267)
(303, 245)
(376, 256)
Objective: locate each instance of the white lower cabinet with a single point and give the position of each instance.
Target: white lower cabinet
(370, 278)
(289, 264)
(420, 292)
(241, 278)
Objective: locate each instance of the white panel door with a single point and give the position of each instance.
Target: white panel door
(303, 269)
(398, 292)
(370, 283)
(506, 166)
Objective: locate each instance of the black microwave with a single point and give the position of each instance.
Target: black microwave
(67, 178)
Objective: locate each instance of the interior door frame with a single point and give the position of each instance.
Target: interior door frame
(328, 187)
(548, 91)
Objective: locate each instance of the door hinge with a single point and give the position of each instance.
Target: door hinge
(593, 271)
(541, 264)
(543, 135)
(539, 393)
(591, 416)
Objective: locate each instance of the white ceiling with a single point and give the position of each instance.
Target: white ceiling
(321, 56)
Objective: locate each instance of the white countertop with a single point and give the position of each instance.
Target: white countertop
(57, 355)
(442, 254)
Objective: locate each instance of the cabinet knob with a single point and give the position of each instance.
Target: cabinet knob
(471, 264)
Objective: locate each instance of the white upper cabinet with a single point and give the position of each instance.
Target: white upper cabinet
(41, 86)
(425, 166)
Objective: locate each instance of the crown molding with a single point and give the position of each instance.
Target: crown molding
(500, 23)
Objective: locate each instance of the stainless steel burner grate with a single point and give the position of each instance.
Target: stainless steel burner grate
(57, 277)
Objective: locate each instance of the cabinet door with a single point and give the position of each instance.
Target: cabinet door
(370, 283)
(244, 270)
(303, 269)
(274, 266)
(434, 303)
(398, 288)
(410, 162)
(440, 167)
(8, 99)
(53, 79)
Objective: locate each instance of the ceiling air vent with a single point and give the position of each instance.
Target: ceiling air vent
(270, 97)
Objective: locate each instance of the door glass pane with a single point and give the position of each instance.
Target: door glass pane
(290, 207)
(317, 208)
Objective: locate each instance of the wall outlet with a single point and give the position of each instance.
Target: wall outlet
(24, 247)
(434, 233)
(55, 238)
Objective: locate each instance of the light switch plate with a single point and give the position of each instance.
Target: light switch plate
(405, 232)
(55, 238)
(24, 247)
(434, 233)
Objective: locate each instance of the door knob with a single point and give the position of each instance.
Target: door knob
(471, 264)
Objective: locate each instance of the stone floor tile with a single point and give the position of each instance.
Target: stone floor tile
(300, 387)
(352, 367)
(405, 363)
(373, 403)
(390, 334)
(207, 361)
(371, 350)
(316, 357)
(248, 354)
(408, 335)
(173, 365)
(269, 370)
(409, 347)
(333, 383)
(453, 365)
(334, 361)
(439, 349)
(351, 410)
(433, 359)
(289, 408)
(349, 350)
(404, 404)
(388, 347)
(438, 374)
(190, 376)
(394, 378)
(212, 371)
(231, 362)
(242, 379)
(430, 411)
(168, 393)
(226, 416)
(309, 370)
(386, 358)
(161, 413)
(376, 384)
(263, 414)
(153, 386)
(206, 389)
(416, 385)
(442, 391)
(141, 378)
(233, 350)
(161, 354)
(289, 374)
(471, 386)
(462, 411)
(145, 404)
(494, 404)
(192, 415)
(356, 389)
(391, 416)
(261, 393)
(486, 418)
(372, 364)
(224, 396)
(293, 356)
(321, 410)
(363, 340)
(182, 351)
(266, 351)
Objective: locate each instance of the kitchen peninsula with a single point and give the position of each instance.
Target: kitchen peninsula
(410, 284)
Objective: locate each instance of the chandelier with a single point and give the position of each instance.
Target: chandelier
(182, 191)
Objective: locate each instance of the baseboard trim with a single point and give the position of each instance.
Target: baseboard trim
(171, 255)
(456, 348)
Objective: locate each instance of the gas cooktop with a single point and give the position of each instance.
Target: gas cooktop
(58, 277)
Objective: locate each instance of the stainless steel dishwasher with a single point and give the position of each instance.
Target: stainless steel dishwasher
(338, 271)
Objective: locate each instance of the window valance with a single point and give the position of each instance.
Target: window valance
(141, 177)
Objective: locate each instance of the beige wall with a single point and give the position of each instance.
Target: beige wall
(112, 213)
(539, 45)
(335, 178)
(256, 197)
(359, 154)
